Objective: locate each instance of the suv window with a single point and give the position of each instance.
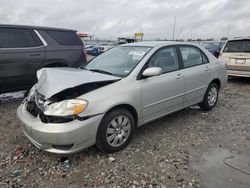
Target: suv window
(17, 38)
(192, 56)
(237, 46)
(67, 38)
(166, 59)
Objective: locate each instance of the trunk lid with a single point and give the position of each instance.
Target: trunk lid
(236, 61)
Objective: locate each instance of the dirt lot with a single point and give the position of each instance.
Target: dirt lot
(185, 149)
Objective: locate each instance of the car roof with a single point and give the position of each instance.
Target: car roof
(156, 43)
(213, 42)
(239, 38)
(34, 27)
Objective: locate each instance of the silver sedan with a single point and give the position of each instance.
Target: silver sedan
(128, 86)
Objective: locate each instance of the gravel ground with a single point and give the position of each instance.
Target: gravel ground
(179, 150)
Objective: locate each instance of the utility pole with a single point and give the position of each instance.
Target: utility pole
(179, 33)
(174, 26)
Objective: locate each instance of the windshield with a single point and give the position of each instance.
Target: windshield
(118, 61)
(237, 46)
(211, 45)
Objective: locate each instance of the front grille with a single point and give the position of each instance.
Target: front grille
(40, 101)
(33, 109)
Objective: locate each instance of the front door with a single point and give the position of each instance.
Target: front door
(164, 93)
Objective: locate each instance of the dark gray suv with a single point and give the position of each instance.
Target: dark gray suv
(26, 49)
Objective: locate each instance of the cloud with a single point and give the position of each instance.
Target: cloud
(112, 18)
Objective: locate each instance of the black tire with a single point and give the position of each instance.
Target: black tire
(101, 138)
(205, 103)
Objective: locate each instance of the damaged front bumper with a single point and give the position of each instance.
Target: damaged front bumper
(61, 138)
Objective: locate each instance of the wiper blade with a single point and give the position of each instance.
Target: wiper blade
(101, 71)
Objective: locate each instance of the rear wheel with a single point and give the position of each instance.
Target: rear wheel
(211, 97)
(115, 131)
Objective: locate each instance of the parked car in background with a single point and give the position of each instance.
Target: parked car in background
(214, 47)
(121, 89)
(88, 48)
(99, 49)
(94, 51)
(26, 49)
(236, 54)
(104, 48)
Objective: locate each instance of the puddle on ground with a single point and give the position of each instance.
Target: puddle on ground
(214, 173)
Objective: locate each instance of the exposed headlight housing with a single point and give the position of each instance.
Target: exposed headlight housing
(66, 107)
(31, 92)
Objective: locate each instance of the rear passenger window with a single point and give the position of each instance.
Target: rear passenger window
(166, 59)
(67, 38)
(204, 58)
(17, 38)
(191, 56)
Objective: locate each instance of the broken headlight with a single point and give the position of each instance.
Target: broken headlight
(66, 107)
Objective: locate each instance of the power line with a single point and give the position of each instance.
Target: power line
(174, 26)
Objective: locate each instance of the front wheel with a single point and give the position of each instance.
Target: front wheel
(115, 131)
(210, 98)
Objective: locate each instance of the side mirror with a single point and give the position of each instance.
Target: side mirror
(152, 71)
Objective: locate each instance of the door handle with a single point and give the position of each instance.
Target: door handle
(179, 76)
(207, 69)
(35, 54)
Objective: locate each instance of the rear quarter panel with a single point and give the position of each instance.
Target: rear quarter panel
(218, 68)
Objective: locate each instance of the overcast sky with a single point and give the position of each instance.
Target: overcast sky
(155, 18)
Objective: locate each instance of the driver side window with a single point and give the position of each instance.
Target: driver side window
(166, 59)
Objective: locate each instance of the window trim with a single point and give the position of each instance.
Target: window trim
(192, 46)
(145, 66)
(34, 47)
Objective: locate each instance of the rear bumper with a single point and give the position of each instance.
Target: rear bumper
(238, 73)
(63, 138)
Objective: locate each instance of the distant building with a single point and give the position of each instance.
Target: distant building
(124, 40)
(84, 35)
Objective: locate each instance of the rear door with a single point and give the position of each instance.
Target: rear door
(163, 94)
(196, 71)
(21, 55)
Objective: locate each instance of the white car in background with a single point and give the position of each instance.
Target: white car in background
(104, 48)
(236, 54)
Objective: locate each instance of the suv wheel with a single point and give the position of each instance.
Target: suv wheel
(211, 97)
(115, 131)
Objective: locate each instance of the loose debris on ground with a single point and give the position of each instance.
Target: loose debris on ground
(162, 154)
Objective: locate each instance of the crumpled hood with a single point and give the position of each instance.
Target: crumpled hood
(54, 80)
